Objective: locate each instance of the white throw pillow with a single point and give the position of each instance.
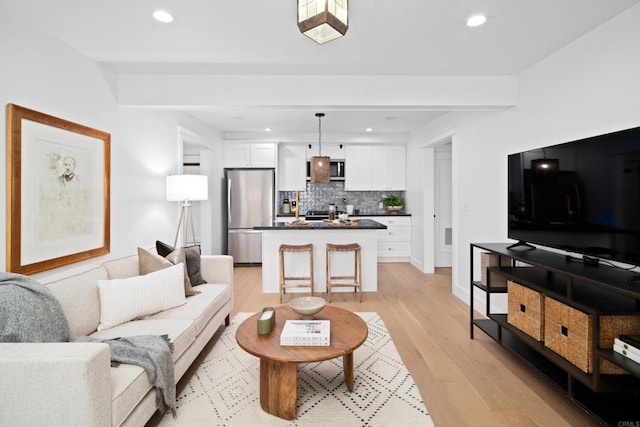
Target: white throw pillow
(122, 300)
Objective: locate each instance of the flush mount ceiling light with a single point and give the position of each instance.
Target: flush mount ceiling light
(476, 20)
(323, 20)
(320, 164)
(162, 16)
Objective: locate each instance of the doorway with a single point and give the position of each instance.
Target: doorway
(437, 231)
(442, 207)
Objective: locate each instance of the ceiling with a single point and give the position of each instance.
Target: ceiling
(259, 37)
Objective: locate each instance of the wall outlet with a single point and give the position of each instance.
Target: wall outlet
(380, 205)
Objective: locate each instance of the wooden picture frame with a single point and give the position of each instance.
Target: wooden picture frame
(58, 191)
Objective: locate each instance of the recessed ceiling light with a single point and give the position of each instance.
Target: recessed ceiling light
(267, 129)
(162, 16)
(369, 129)
(476, 20)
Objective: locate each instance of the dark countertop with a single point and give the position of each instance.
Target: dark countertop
(377, 213)
(363, 224)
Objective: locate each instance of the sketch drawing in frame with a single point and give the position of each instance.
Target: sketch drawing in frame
(58, 191)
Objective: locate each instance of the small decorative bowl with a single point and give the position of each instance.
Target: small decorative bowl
(307, 306)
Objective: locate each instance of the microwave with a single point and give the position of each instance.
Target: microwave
(336, 170)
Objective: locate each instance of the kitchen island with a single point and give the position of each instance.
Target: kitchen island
(319, 233)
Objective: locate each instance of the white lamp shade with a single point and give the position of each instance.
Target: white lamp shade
(187, 187)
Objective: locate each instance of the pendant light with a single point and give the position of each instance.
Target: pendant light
(323, 20)
(320, 163)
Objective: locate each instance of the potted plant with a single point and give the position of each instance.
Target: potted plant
(393, 203)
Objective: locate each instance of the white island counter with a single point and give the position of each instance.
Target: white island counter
(319, 233)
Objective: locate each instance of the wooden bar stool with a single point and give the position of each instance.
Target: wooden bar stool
(355, 280)
(295, 281)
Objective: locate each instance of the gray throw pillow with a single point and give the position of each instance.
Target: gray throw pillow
(179, 257)
(192, 254)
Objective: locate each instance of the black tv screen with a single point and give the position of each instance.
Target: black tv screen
(581, 196)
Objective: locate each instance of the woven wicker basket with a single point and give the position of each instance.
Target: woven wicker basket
(490, 260)
(569, 332)
(525, 310)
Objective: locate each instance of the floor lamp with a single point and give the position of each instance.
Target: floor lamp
(186, 188)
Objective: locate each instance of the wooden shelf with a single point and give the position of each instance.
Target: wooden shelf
(607, 382)
(525, 353)
(494, 289)
(612, 279)
(599, 290)
(543, 351)
(624, 362)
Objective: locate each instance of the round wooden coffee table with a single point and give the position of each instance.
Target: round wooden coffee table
(278, 364)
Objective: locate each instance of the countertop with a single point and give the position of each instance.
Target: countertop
(363, 224)
(377, 213)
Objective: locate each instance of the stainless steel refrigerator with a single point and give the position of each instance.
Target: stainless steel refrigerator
(250, 199)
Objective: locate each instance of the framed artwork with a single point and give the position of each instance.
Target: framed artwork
(58, 191)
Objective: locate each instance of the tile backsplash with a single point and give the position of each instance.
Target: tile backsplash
(319, 196)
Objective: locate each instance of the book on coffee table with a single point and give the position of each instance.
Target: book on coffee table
(306, 333)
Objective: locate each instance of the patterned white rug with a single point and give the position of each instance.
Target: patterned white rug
(225, 389)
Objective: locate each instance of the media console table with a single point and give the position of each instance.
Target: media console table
(574, 353)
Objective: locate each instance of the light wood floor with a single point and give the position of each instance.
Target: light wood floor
(463, 382)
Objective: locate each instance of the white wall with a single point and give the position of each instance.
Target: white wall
(589, 87)
(44, 74)
(421, 187)
(207, 214)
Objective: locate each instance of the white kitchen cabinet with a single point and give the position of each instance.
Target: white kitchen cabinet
(358, 168)
(292, 168)
(389, 165)
(249, 155)
(394, 243)
(334, 151)
(236, 155)
(375, 168)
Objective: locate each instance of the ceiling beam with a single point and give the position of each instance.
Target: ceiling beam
(436, 93)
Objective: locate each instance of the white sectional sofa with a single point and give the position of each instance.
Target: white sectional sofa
(73, 384)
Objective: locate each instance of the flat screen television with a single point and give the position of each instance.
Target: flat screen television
(581, 196)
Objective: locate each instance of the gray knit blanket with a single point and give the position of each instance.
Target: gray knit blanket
(153, 353)
(29, 312)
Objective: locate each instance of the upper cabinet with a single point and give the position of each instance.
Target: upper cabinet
(375, 168)
(334, 151)
(389, 165)
(358, 168)
(292, 168)
(249, 155)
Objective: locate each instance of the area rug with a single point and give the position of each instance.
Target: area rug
(225, 389)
